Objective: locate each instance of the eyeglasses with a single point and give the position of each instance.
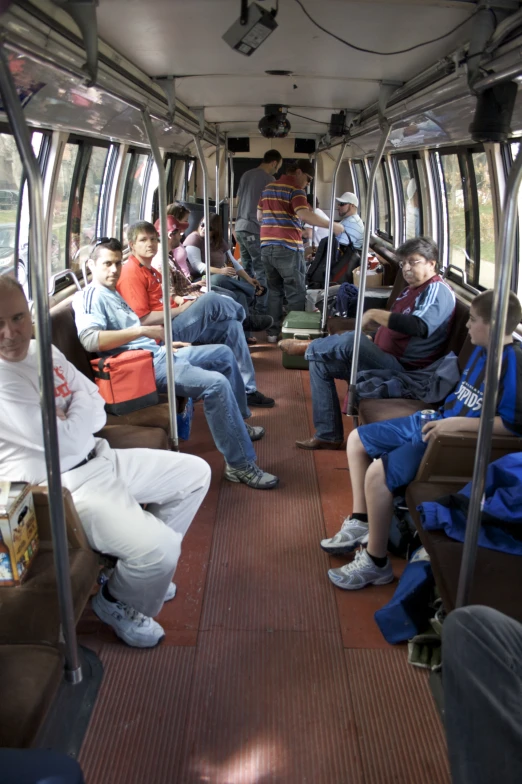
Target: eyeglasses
(403, 264)
(101, 241)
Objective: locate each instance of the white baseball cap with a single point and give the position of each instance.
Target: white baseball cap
(348, 198)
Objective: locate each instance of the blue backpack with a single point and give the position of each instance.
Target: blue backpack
(185, 420)
(409, 611)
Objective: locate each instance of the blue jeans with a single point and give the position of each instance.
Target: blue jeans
(250, 245)
(482, 676)
(239, 290)
(215, 319)
(285, 275)
(211, 374)
(331, 358)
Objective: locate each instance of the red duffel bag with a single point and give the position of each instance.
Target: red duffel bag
(126, 381)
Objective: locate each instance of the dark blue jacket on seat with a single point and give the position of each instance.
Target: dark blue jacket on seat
(501, 527)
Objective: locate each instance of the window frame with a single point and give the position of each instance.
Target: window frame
(464, 153)
(416, 161)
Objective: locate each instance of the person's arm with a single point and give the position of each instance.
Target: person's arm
(109, 339)
(195, 260)
(406, 324)
(259, 216)
(22, 419)
(461, 424)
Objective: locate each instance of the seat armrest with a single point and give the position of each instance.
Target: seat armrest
(450, 457)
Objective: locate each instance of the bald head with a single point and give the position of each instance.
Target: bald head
(15, 321)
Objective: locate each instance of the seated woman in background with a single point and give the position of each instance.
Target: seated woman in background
(242, 288)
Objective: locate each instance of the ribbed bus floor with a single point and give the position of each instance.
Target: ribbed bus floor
(268, 673)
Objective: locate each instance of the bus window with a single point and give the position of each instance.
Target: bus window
(486, 278)
(23, 236)
(87, 197)
(10, 185)
(383, 201)
(134, 192)
(121, 193)
(61, 208)
(360, 186)
(455, 209)
(411, 202)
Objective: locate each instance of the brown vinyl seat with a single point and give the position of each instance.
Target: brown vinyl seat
(497, 578)
(29, 679)
(337, 324)
(29, 612)
(65, 338)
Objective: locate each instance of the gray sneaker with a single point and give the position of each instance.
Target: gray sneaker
(256, 432)
(252, 476)
(352, 534)
(361, 572)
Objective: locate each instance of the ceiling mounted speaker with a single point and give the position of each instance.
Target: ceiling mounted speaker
(493, 113)
(238, 144)
(337, 125)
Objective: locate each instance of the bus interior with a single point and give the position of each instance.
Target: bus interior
(267, 672)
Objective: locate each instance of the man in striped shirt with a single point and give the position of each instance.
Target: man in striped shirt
(384, 457)
(282, 210)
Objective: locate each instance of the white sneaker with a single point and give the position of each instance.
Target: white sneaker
(361, 572)
(171, 592)
(352, 534)
(253, 476)
(131, 626)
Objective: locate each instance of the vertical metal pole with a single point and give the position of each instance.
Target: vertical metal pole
(385, 132)
(206, 212)
(231, 210)
(314, 196)
(493, 370)
(342, 148)
(218, 152)
(227, 191)
(38, 271)
(165, 271)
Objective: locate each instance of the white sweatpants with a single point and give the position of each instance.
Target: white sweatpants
(107, 493)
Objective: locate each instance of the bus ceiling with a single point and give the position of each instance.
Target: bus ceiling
(321, 58)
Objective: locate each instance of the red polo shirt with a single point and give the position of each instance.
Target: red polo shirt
(141, 287)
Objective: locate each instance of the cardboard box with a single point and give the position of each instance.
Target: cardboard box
(18, 532)
(373, 278)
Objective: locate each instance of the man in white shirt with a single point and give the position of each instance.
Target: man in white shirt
(107, 485)
(353, 227)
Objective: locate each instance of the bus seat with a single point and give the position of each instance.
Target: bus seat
(131, 437)
(450, 457)
(30, 676)
(29, 612)
(497, 574)
(337, 324)
(65, 338)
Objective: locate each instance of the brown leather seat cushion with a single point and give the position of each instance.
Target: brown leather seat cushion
(129, 437)
(29, 679)
(497, 579)
(375, 410)
(29, 612)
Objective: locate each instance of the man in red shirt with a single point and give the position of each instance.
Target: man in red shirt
(208, 319)
(282, 210)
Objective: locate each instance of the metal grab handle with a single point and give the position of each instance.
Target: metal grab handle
(38, 271)
(206, 211)
(165, 270)
(68, 273)
(493, 370)
(330, 237)
(456, 271)
(385, 132)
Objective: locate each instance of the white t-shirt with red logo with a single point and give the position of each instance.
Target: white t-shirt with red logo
(22, 455)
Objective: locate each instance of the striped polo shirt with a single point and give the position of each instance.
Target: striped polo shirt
(280, 202)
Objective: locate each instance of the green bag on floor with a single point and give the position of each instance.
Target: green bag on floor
(300, 325)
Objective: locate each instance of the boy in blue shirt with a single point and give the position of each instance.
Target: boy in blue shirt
(384, 457)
